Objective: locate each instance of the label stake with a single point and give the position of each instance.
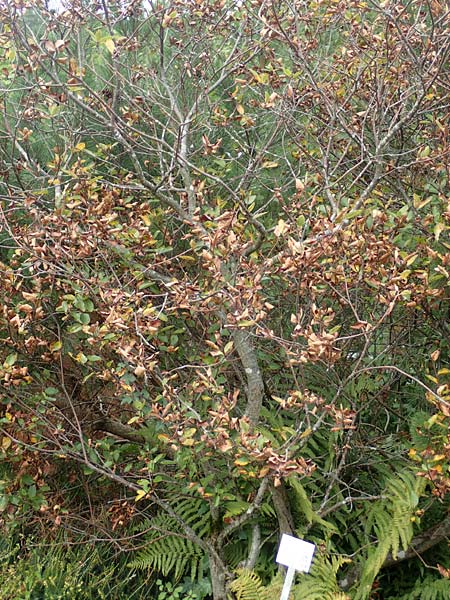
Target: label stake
(287, 583)
(296, 555)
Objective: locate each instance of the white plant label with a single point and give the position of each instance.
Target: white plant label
(295, 553)
(297, 556)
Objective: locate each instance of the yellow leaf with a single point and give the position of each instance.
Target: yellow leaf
(281, 228)
(228, 347)
(110, 45)
(187, 258)
(262, 78)
(80, 146)
(438, 229)
(432, 420)
(269, 164)
(6, 443)
(278, 399)
(168, 18)
(216, 353)
(246, 323)
(411, 259)
(188, 442)
(438, 457)
(420, 202)
(240, 109)
(140, 494)
(81, 358)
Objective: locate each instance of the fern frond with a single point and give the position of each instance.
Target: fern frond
(236, 552)
(235, 508)
(321, 583)
(169, 554)
(305, 506)
(248, 586)
(195, 512)
(167, 550)
(428, 589)
(390, 522)
(267, 510)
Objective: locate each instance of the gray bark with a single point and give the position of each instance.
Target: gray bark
(218, 577)
(281, 505)
(255, 385)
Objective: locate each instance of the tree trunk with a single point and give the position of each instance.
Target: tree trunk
(255, 385)
(281, 505)
(218, 577)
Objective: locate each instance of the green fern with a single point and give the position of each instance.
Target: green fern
(234, 508)
(236, 550)
(321, 583)
(390, 523)
(304, 504)
(167, 550)
(428, 589)
(248, 586)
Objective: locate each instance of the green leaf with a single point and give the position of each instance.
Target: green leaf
(10, 360)
(94, 358)
(51, 391)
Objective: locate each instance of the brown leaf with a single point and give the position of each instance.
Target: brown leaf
(299, 186)
(443, 571)
(49, 46)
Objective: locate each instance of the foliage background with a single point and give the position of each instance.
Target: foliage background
(224, 256)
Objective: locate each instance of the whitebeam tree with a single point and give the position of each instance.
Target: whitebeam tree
(225, 277)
